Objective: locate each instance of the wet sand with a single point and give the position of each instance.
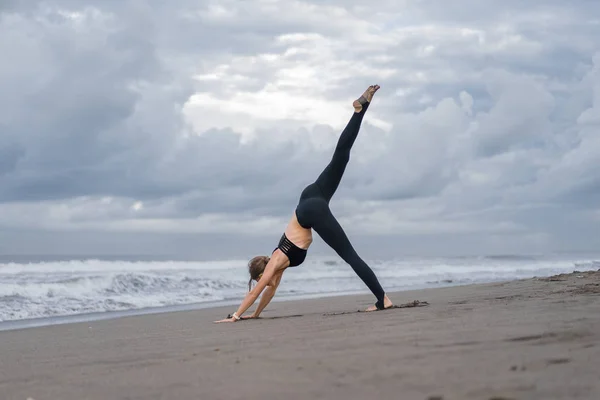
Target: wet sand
(530, 339)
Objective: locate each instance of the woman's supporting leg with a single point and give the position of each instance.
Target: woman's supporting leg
(331, 176)
(329, 229)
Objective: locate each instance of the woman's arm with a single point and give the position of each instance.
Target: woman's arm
(251, 297)
(268, 294)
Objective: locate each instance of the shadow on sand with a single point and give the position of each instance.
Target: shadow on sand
(412, 304)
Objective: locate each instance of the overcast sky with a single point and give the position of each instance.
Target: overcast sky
(127, 125)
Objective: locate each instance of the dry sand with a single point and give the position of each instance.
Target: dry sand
(530, 339)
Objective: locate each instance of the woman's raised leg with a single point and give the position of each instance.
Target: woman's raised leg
(331, 176)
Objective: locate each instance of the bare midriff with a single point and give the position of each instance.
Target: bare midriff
(298, 235)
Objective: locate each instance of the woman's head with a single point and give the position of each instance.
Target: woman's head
(256, 267)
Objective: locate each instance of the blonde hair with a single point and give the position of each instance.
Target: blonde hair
(256, 267)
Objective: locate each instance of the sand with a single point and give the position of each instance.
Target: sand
(529, 339)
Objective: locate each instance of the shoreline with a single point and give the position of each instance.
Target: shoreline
(535, 338)
(49, 293)
(40, 322)
(31, 323)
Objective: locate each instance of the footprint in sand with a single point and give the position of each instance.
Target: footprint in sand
(558, 361)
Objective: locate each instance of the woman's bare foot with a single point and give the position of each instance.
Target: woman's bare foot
(387, 303)
(367, 96)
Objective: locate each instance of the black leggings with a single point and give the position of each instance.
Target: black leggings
(313, 208)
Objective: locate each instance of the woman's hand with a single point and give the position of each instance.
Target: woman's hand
(226, 320)
(231, 319)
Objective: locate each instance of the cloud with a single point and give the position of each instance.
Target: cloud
(210, 118)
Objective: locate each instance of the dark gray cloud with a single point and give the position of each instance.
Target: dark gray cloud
(212, 116)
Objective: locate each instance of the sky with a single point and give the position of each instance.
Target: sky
(190, 128)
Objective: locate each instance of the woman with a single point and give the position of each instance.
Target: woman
(312, 212)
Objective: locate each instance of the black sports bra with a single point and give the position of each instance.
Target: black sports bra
(293, 252)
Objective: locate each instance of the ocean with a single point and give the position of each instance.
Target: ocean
(42, 290)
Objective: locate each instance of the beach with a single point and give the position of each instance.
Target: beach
(536, 338)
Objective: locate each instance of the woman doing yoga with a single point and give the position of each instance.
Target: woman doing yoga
(312, 212)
